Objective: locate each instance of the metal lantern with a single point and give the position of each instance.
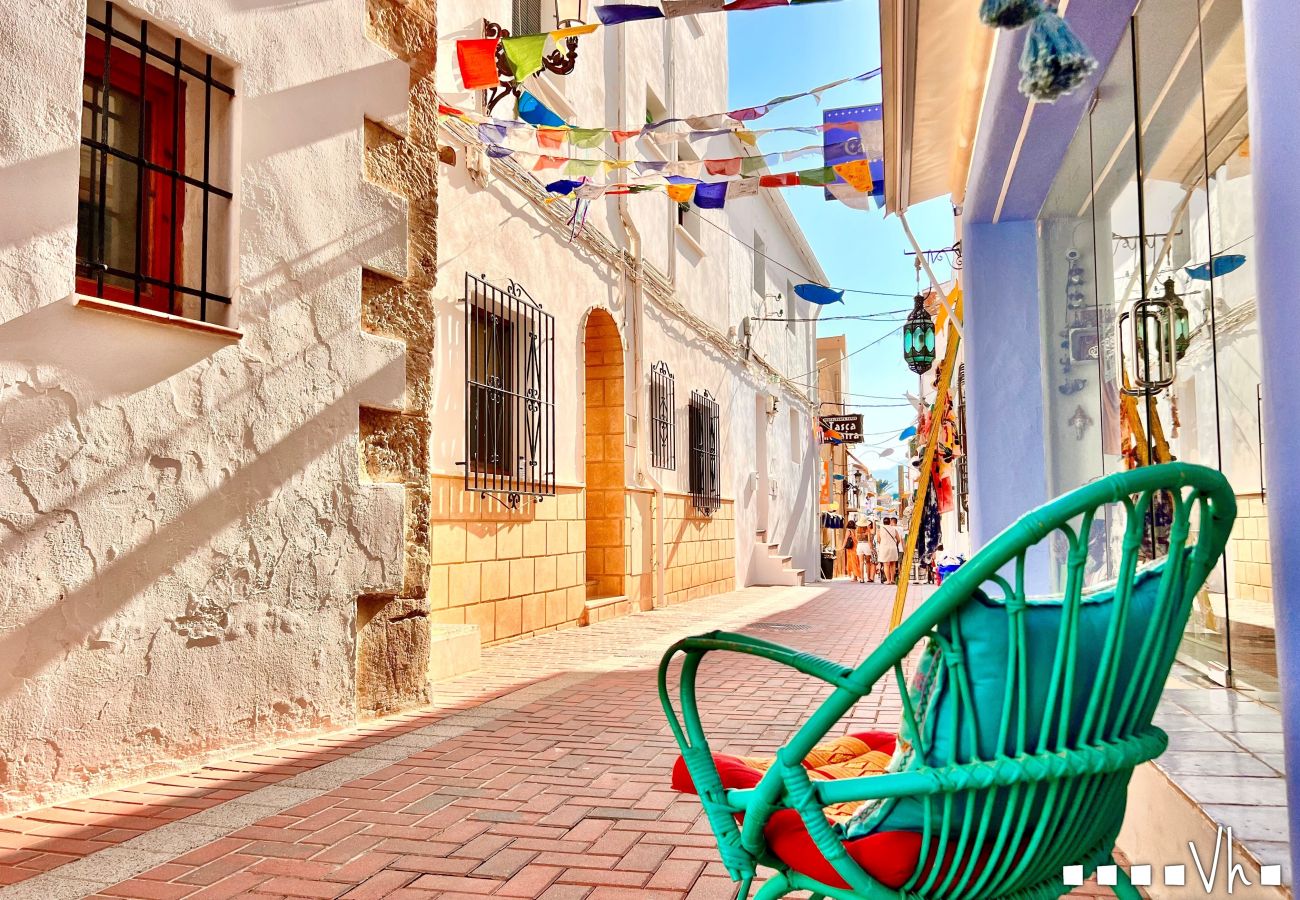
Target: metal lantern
(1146, 344)
(1182, 319)
(918, 338)
(569, 13)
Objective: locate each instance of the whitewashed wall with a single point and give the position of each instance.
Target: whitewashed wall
(495, 230)
(183, 531)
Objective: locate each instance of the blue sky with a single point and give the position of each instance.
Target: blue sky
(785, 50)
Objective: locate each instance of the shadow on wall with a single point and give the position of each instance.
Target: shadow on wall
(25, 187)
(302, 115)
(96, 356)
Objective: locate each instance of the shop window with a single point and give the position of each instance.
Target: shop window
(154, 126)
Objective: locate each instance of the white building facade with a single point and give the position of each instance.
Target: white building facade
(643, 288)
(233, 384)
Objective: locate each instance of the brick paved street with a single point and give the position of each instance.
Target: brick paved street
(544, 774)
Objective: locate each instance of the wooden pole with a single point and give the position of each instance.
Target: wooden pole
(937, 415)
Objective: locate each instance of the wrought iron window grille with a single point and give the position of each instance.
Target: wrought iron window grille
(663, 417)
(509, 393)
(706, 487)
(134, 233)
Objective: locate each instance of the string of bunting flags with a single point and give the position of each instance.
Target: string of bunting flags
(478, 56)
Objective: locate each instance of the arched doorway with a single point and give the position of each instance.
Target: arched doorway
(606, 482)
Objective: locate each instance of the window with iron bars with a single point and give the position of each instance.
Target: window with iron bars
(509, 393)
(663, 417)
(706, 486)
(153, 196)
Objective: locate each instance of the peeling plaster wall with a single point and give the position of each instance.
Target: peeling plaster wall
(184, 529)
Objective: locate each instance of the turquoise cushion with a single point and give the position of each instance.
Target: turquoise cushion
(984, 625)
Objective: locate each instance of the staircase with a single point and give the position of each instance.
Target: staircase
(769, 567)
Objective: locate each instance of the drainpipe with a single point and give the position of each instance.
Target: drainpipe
(637, 303)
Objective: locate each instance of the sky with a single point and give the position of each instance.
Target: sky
(782, 51)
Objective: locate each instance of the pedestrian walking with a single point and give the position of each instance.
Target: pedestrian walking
(889, 548)
(867, 552)
(851, 550)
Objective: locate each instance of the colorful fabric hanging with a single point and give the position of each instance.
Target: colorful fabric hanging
(786, 179)
(550, 162)
(561, 34)
(552, 138)
(735, 5)
(681, 193)
(711, 195)
(535, 112)
(723, 166)
(524, 54)
(818, 294)
(674, 8)
(618, 13)
(478, 63)
(563, 187)
(857, 174)
(817, 177)
(582, 167)
(587, 138)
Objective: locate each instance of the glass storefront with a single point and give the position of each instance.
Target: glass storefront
(1150, 219)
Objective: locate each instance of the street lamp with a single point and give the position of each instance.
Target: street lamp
(1146, 344)
(918, 339)
(570, 13)
(1182, 319)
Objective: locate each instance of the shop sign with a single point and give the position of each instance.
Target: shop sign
(849, 428)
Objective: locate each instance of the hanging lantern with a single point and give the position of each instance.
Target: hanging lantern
(1182, 320)
(918, 339)
(1147, 348)
(570, 13)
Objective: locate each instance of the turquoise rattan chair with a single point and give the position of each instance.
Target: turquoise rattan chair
(1023, 724)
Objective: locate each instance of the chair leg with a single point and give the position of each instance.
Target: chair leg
(775, 887)
(1124, 888)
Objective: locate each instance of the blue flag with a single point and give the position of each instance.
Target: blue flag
(859, 135)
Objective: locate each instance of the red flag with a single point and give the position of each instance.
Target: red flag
(478, 63)
(754, 4)
(622, 136)
(723, 166)
(551, 138)
(789, 179)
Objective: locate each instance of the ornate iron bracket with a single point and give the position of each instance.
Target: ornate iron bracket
(560, 61)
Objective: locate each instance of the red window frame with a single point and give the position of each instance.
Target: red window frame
(163, 95)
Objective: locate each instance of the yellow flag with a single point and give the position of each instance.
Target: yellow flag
(575, 31)
(681, 193)
(857, 174)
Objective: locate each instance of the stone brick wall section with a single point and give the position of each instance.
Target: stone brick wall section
(510, 572)
(392, 631)
(1252, 566)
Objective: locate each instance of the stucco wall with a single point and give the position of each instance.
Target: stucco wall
(183, 521)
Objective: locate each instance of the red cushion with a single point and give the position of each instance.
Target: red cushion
(890, 857)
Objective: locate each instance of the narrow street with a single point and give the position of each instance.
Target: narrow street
(544, 774)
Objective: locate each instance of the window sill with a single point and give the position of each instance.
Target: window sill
(689, 240)
(161, 318)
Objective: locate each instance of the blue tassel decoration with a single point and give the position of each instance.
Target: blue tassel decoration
(1010, 13)
(1054, 62)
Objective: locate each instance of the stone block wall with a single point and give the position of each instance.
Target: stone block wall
(1248, 549)
(700, 550)
(510, 572)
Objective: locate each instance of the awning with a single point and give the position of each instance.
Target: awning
(935, 55)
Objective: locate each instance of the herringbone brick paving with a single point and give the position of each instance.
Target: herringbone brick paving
(544, 774)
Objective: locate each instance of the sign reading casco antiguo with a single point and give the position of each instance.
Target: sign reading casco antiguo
(849, 428)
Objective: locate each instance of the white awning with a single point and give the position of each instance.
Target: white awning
(935, 55)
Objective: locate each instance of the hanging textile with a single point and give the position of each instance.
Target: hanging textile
(478, 63)
(619, 13)
(711, 195)
(525, 54)
(535, 112)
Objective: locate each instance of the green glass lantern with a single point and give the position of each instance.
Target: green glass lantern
(1182, 320)
(918, 339)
